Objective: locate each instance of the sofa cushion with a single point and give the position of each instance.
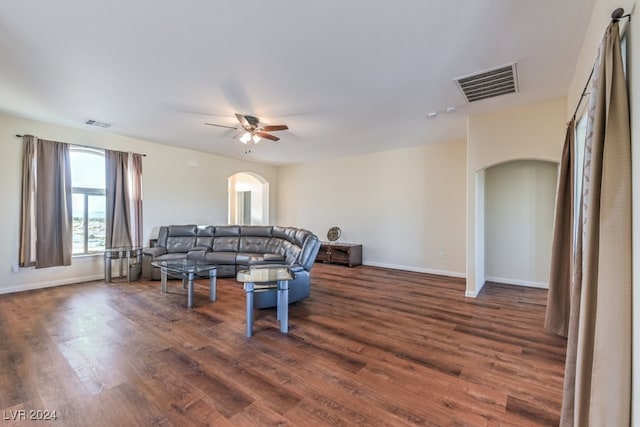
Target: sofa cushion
(204, 238)
(220, 258)
(256, 230)
(253, 244)
(249, 259)
(227, 231)
(177, 256)
(285, 233)
(275, 245)
(225, 244)
(181, 238)
(292, 254)
(300, 237)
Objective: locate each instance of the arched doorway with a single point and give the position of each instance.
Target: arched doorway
(519, 201)
(248, 199)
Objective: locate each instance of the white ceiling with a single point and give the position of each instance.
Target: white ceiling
(347, 77)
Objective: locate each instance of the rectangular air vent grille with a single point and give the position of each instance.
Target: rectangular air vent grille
(489, 83)
(97, 123)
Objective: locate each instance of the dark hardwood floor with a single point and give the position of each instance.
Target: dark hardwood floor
(370, 347)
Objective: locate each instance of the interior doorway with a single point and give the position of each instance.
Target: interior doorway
(519, 202)
(248, 199)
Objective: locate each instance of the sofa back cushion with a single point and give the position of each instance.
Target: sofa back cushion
(205, 237)
(227, 238)
(181, 238)
(309, 251)
(254, 244)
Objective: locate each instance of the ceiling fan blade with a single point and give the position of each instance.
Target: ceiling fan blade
(267, 136)
(222, 126)
(243, 121)
(273, 128)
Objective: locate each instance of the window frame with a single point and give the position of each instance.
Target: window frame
(86, 192)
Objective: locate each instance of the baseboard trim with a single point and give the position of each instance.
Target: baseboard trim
(470, 294)
(530, 284)
(50, 284)
(418, 269)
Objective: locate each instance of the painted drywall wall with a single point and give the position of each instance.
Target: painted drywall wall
(407, 207)
(519, 207)
(600, 18)
(534, 132)
(179, 186)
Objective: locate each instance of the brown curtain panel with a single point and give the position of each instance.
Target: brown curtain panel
(118, 221)
(53, 203)
(135, 177)
(27, 256)
(562, 251)
(597, 389)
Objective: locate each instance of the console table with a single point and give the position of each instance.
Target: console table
(126, 255)
(340, 253)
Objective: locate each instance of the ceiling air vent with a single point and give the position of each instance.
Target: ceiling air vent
(97, 123)
(489, 83)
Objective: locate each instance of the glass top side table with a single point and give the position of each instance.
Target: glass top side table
(188, 271)
(263, 279)
(125, 254)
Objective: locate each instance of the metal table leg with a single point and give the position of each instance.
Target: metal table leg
(213, 274)
(190, 288)
(283, 305)
(107, 266)
(248, 288)
(163, 280)
(128, 264)
(121, 271)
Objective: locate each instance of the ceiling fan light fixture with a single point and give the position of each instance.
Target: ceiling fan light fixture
(256, 138)
(246, 137)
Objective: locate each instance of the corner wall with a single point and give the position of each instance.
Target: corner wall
(406, 206)
(532, 132)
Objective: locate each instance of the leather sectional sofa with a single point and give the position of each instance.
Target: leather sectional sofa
(235, 247)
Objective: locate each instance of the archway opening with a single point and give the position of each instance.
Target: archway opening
(248, 199)
(519, 201)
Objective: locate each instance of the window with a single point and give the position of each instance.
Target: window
(89, 199)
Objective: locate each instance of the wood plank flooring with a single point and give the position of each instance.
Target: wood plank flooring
(371, 347)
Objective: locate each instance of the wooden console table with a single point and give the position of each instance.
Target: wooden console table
(340, 253)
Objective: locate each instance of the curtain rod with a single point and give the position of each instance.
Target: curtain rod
(85, 146)
(584, 92)
(616, 15)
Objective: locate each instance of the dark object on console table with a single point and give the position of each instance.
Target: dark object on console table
(340, 253)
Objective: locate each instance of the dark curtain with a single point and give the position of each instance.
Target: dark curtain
(118, 221)
(136, 198)
(562, 250)
(27, 256)
(53, 205)
(597, 387)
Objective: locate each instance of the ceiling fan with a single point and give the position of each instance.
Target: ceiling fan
(253, 130)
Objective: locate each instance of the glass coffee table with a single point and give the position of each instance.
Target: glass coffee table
(188, 271)
(263, 279)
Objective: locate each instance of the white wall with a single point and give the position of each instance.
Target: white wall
(407, 207)
(173, 193)
(531, 132)
(519, 206)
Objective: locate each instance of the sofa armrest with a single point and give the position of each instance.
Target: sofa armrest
(155, 251)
